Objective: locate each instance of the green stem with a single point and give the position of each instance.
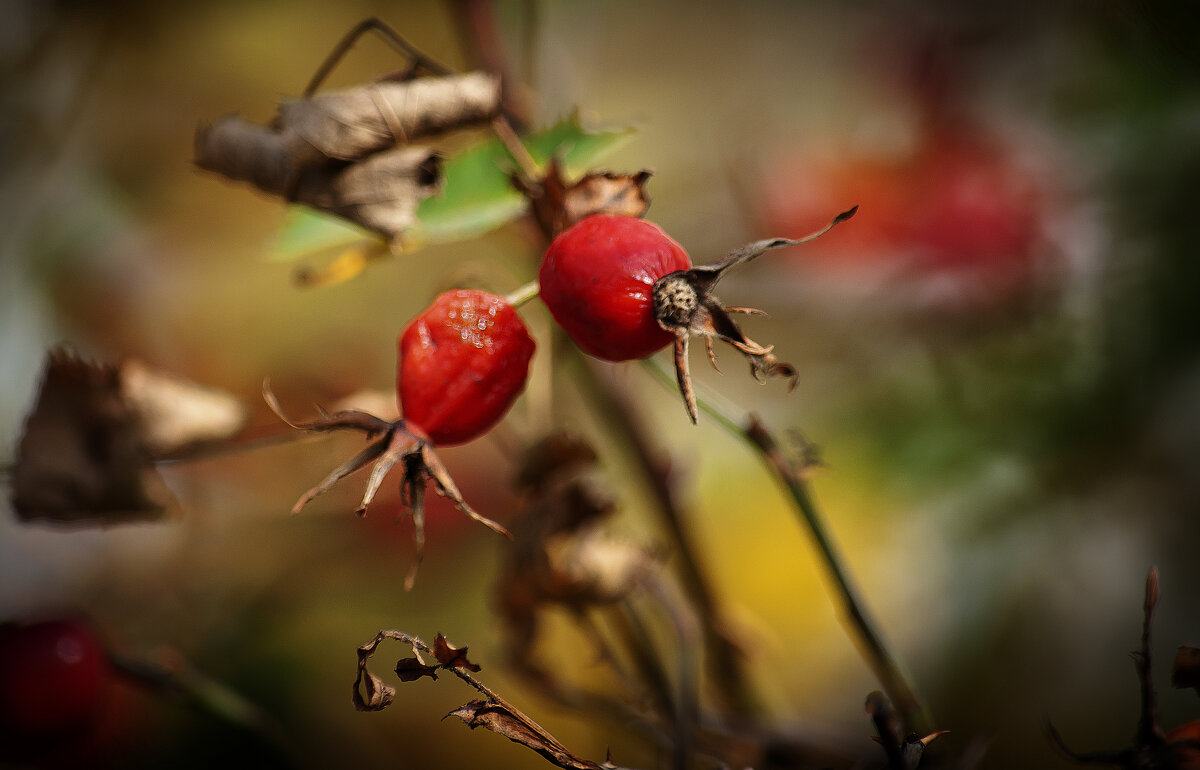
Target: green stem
(522, 295)
(871, 642)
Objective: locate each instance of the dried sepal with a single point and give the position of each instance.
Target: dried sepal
(557, 204)
(397, 444)
(684, 304)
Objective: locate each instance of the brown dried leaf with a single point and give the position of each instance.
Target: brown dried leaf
(604, 192)
(412, 669)
(556, 454)
(1186, 671)
(380, 193)
(354, 123)
(174, 415)
(246, 152)
(557, 205)
(595, 568)
(374, 694)
(450, 656)
(82, 458)
(498, 719)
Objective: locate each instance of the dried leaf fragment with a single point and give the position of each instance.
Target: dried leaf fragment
(374, 694)
(379, 193)
(176, 416)
(501, 720)
(83, 456)
(412, 669)
(556, 205)
(356, 122)
(450, 656)
(348, 152)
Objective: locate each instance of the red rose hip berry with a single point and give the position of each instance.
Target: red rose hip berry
(623, 289)
(597, 279)
(463, 362)
(53, 678)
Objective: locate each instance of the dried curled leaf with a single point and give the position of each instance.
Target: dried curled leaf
(556, 205)
(371, 693)
(356, 122)
(450, 656)
(519, 729)
(347, 153)
(83, 457)
(174, 415)
(379, 193)
(412, 669)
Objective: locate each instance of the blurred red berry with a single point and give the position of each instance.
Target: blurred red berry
(1184, 742)
(463, 362)
(596, 279)
(53, 679)
(961, 209)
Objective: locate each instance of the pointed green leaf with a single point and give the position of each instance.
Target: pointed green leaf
(478, 195)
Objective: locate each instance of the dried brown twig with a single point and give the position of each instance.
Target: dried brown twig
(491, 712)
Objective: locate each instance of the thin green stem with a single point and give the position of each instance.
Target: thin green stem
(522, 295)
(871, 642)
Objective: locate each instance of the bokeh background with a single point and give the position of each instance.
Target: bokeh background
(998, 358)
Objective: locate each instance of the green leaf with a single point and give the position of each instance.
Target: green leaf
(306, 232)
(476, 196)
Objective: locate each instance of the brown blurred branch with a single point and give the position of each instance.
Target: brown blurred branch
(725, 659)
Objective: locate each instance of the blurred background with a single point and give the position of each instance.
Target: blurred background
(999, 359)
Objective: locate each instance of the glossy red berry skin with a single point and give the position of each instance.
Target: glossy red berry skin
(54, 676)
(596, 278)
(463, 362)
